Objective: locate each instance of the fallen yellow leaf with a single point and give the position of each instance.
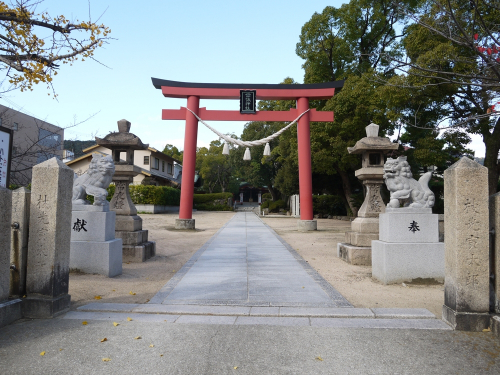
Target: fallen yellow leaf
(129, 319)
(319, 358)
(137, 338)
(116, 324)
(42, 353)
(487, 330)
(84, 323)
(114, 290)
(235, 367)
(132, 293)
(151, 346)
(97, 297)
(60, 350)
(104, 339)
(106, 359)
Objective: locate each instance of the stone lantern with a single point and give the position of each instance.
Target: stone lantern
(365, 228)
(136, 247)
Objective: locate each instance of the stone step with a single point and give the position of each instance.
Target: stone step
(312, 321)
(324, 312)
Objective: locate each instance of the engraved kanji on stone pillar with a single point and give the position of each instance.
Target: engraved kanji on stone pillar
(466, 286)
(49, 240)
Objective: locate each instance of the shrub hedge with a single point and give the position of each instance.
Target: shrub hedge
(213, 207)
(275, 206)
(212, 202)
(328, 205)
(206, 198)
(148, 194)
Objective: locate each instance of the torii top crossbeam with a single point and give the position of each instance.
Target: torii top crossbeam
(193, 92)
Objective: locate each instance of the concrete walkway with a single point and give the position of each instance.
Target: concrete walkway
(237, 309)
(247, 264)
(247, 274)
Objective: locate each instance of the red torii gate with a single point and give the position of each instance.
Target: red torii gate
(193, 92)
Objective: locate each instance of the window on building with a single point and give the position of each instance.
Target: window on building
(146, 160)
(169, 168)
(15, 126)
(157, 164)
(163, 165)
(48, 139)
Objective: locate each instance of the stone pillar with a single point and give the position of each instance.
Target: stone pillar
(19, 243)
(5, 221)
(466, 300)
(10, 310)
(49, 241)
(495, 252)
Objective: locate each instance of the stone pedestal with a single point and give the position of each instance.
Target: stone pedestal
(136, 246)
(94, 248)
(467, 281)
(364, 229)
(49, 241)
(357, 255)
(408, 247)
(184, 223)
(307, 225)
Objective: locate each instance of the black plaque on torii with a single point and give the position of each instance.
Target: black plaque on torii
(248, 101)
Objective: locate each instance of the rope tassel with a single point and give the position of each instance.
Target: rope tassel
(225, 150)
(267, 150)
(247, 155)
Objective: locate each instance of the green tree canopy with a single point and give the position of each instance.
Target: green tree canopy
(173, 152)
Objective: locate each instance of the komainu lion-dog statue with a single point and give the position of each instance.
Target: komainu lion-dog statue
(95, 181)
(403, 187)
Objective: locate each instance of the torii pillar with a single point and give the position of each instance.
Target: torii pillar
(193, 92)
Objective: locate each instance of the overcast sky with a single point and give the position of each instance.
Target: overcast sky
(191, 41)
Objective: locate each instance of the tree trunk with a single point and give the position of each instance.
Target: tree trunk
(273, 192)
(492, 146)
(346, 186)
(341, 194)
(490, 162)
